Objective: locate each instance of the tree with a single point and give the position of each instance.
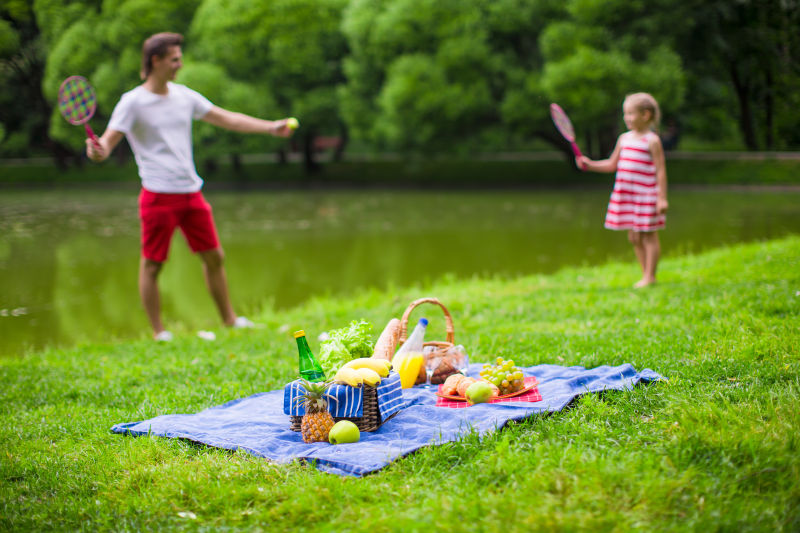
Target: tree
(24, 112)
(429, 75)
(752, 49)
(102, 43)
(287, 50)
(603, 51)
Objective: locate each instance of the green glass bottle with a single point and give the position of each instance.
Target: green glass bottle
(309, 367)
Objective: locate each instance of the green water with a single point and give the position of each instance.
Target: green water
(69, 259)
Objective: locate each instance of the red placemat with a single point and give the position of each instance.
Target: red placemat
(530, 396)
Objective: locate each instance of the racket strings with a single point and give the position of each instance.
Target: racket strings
(562, 122)
(77, 101)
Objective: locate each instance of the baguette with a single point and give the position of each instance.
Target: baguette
(387, 342)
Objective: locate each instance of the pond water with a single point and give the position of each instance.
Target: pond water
(69, 259)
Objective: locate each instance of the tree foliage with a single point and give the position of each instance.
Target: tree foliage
(286, 53)
(417, 75)
(436, 74)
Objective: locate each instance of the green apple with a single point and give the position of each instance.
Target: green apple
(344, 431)
(479, 392)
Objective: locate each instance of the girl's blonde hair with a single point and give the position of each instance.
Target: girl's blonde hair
(646, 102)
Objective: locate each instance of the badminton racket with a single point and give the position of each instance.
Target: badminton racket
(564, 126)
(77, 103)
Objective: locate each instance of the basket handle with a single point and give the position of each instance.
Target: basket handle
(447, 318)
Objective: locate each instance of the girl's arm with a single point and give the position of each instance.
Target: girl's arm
(659, 161)
(245, 123)
(107, 142)
(605, 165)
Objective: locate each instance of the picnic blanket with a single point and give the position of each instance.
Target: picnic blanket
(258, 425)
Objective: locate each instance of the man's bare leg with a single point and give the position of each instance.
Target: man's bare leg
(148, 291)
(217, 282)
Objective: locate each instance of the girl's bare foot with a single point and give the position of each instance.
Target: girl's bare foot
(644, 283)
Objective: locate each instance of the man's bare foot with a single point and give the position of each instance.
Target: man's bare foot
(644, 283)
(163, 336)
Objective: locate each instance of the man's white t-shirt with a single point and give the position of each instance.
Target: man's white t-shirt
(159, 130)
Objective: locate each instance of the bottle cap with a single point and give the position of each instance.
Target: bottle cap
(300, 333)
(423, 321)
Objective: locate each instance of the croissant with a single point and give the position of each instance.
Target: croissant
(450, 386)
(464, 384)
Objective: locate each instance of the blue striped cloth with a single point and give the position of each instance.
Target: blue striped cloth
(348, 401)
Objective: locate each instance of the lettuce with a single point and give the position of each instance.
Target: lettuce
(345, 344)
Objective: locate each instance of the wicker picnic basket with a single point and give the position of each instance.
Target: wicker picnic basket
(442, 349)
(369, 421)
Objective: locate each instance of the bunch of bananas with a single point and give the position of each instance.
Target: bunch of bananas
(366, 370)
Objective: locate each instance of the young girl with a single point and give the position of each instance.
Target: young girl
(639, 200)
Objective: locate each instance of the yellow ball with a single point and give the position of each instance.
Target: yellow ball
(292, 123)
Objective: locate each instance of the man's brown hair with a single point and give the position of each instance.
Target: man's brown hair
(157, 45)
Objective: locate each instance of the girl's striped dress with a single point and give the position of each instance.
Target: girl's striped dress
(633, 202)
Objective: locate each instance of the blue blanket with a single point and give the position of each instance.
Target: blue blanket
(258, 425)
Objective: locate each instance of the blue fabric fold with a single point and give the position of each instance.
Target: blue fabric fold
(258, 425)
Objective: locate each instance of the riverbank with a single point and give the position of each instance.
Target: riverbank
(503, 170)
(714, 448)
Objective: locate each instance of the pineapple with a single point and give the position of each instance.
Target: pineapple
(317, 421)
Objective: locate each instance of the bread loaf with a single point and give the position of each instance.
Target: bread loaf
(387, 342)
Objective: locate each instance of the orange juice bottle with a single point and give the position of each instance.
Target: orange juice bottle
(409, 359)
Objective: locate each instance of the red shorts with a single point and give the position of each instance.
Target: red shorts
(161, 213)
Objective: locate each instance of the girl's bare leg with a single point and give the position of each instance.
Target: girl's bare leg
(652, 253)
(635, 239)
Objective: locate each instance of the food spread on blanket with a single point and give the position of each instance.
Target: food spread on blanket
(500, 379)
(345, 354)
(348, 355)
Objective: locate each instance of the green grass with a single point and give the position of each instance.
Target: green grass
(717, 448)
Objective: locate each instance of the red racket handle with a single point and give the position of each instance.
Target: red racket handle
(91, 135)
(578, 154)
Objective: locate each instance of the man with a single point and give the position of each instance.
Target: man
(156, 118)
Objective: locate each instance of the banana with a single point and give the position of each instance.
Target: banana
(381, 366)
(369, 376)
(348, 376)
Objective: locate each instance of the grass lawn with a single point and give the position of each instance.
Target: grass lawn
(715, 448)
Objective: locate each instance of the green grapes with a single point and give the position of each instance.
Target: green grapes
(504, 375)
